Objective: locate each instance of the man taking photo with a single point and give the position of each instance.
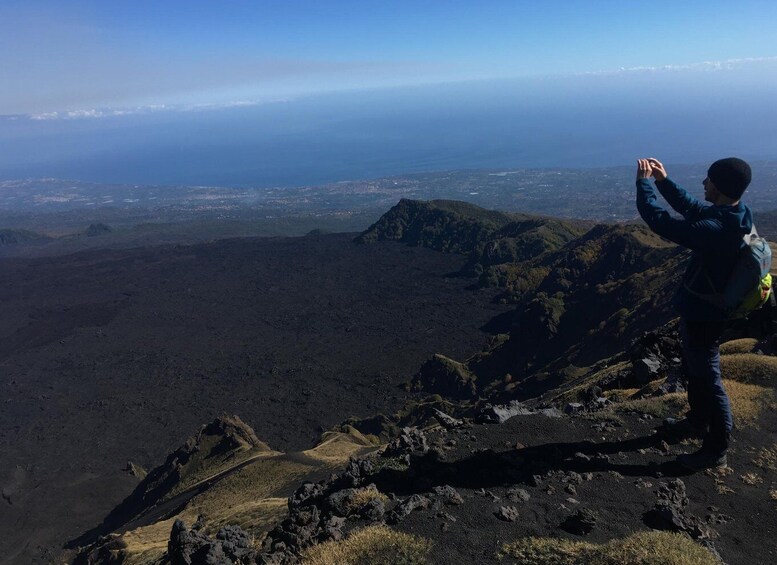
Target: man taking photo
(714, 234)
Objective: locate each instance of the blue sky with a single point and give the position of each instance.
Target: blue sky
(76, 56)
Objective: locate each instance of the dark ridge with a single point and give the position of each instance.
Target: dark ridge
(16, 237)
(97, 230)
(489, 237)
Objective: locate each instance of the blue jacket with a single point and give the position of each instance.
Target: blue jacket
(712, 233)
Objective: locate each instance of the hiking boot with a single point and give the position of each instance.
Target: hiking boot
(701, 460)
(683, 428)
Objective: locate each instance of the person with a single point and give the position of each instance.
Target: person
(714, 234)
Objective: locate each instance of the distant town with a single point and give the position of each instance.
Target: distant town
(597, 194)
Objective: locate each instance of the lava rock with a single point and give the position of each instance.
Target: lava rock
(499, 414)
(448, 495)
(573, 478)
(340, 503)
(411, 441)
(407, 506)
(518, 495)
(647, 369)
(507, 513)
(190, 547)
(673, 492)
(373, 511)
(234, 541)
(642, 483)
(669, 512)
(183, 544)
(574, 408)
(446, 421)
(307, 493)
(332, 529)
(580, 523)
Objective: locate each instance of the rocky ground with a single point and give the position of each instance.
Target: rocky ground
(109, 356)
(538, 483)
(466, 464)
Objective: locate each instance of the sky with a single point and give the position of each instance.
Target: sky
(291, 92)
(89, 58)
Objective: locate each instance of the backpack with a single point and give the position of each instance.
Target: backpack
(750, 283)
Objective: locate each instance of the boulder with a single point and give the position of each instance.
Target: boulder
(647, 369)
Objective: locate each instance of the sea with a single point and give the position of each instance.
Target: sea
(586, 121)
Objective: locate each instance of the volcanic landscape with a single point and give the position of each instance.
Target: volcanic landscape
(115, 355)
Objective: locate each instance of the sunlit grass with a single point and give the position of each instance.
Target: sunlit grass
(641, 548)
(376, 545)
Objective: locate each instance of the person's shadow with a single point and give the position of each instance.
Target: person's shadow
(487, 469)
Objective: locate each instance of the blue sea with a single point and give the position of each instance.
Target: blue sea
(563, 122)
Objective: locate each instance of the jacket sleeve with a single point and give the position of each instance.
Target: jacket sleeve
(693, 235)
(679, 199)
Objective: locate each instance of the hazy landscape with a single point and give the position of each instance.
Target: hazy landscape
(313, 324)
(113, 355)
(55, 214)
(327, 283)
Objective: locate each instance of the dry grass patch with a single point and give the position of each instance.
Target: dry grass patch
(256, 517)
(641, 548)
(376, 545)
(208, 462)
(723, 488)
(744, 345)
(339, 447)
(748, 401)
(750, 368)
(147, 544)
(718, 475)
(253, 497)
(620, 394)
(548, 551)
(658, 407)
(751, 479)
(649, 389)
(363, 496)
(767, 458)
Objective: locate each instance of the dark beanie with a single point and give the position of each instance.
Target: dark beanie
(730, 176)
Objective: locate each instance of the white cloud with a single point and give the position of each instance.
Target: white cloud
(43, 116)
(728, 64)
(95, 113)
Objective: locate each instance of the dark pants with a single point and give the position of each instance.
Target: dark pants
(710, 407)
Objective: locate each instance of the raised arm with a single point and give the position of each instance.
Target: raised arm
(682, 202)
(689, 234)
